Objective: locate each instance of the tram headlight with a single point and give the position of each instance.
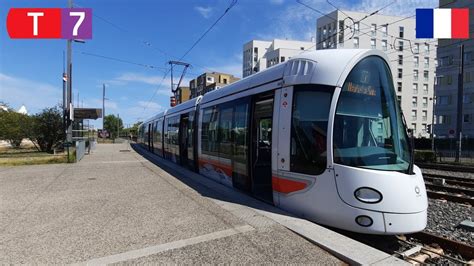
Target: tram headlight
(368, 195)
(364, 220)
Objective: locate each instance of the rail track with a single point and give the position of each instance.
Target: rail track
(429, 248)
(419, 248)
(447, 167)
(451, 188)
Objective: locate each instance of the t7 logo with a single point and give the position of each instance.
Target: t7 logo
(50, 23)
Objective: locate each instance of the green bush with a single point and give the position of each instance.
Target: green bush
(14, 127)
(47, 128)
(425, 156)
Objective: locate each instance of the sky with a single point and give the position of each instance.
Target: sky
(147, 34)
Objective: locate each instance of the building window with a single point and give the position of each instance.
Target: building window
(282, 59)
(356, 42)
(417, 48)
(425, 89)
(446, 61)
(413, 127)
(468, 77)
(255, 50)
(372, 43)
(467, 98)
(425, 102)
(467, 118)
(414, 101)
(400, 60)
(384, 30)
(399, 99)
(424, 116)
(444, 119)
(401, 32)
(416, 61)
(413, 115)
(400, 46)
(415, 88)
(341, 31)
(399, 86)
(427, 62)
(415, 75)
(225, 81)
(443, 100)
(373, 29)
(427, 48)
(356, 27)
(424, 128)
(384, 45)
(426, 75)
(400, 73)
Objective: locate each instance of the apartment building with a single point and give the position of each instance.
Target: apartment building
(259, 55)
(413, 61)
(183, 93)
(210, 81)
(446, 89)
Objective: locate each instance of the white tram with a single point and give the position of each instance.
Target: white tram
(321, 136)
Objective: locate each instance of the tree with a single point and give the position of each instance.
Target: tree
(47, 128)
(14, 127)
(112, 124)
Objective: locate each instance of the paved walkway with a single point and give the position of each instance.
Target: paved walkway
(116, 207)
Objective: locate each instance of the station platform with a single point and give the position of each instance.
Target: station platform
(117, 206)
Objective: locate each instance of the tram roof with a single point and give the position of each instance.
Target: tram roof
(326, 67)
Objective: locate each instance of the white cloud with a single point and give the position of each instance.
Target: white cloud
(399, 8)
(35, 95)
(206, 12)
(144, 109)
(139, 78)
(298, 22)
(97, 103)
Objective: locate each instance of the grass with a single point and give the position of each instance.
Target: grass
(16, 157)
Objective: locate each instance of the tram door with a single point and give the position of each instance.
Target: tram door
(183, 139)
(261, 168)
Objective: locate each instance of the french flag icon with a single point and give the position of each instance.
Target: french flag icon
(442, 23)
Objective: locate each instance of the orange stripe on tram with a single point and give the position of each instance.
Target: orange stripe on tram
(286, 186)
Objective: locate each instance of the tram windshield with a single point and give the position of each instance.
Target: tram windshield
(368, 129)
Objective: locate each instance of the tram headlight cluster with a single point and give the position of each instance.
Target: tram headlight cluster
(368, 195)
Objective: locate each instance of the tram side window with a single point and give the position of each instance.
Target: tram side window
(309, 129)
(225, 132)
(210, 144)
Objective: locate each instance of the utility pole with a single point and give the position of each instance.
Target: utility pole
(65, 78)
(69, 86)
(460, 103)
(103, 108)
(118, 125)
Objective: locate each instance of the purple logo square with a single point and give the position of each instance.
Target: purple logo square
(76, 23)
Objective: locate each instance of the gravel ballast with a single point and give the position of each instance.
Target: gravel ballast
(444, 218)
